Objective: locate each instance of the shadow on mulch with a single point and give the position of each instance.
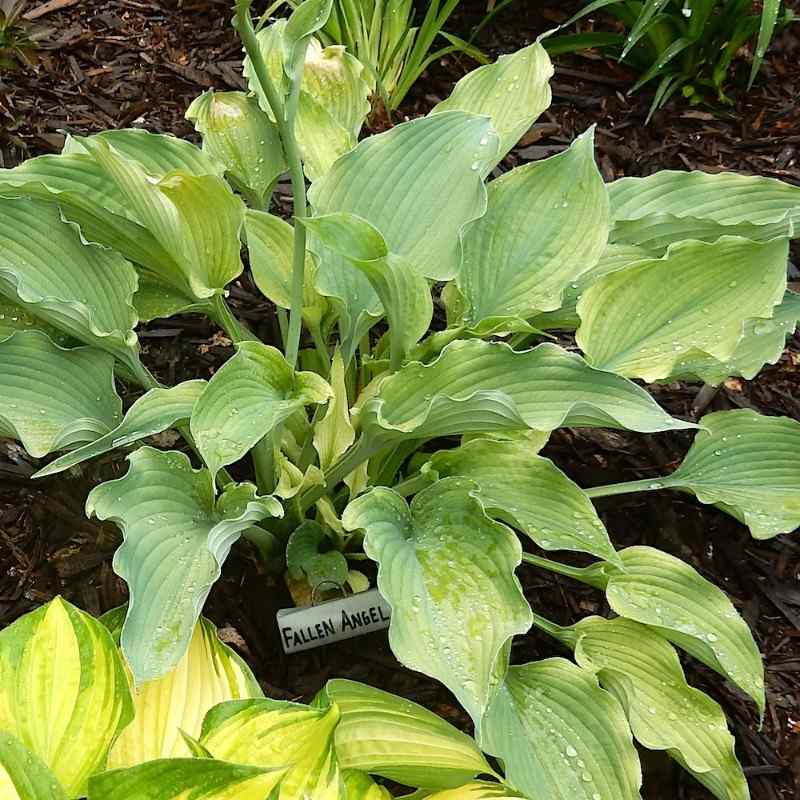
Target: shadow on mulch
(136, 62)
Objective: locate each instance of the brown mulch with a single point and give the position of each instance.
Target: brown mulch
(116, 63)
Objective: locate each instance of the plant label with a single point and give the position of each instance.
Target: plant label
(313, 626)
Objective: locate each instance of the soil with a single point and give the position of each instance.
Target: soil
(117, 63)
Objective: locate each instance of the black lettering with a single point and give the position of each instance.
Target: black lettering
(384, 618)
(329, 627)
(320, 631)
(346, 623)
(298, 639)
(364, 618)
(373, 614)
(285, 632)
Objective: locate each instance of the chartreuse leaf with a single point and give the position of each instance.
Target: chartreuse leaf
(195, 219)
(55, 398)
(643, 672)
(238, 134)
(333, 104)
(24, 776)
(270, 241)
(667, 594)
(705, 292)
(528, 492)
(476, 386)
(154, 412)
(333, 101)
(546, 224)
(359, 786)
(248, 396)
(403, 292)
(271, 733)
(762, 342)
(63, 179)
(386, 735)
(723, 198)
(396, 181)
(334, 433)
(63, 691)
(477, 790)
(157, 153)
(85, 194)
(208, 673)
(447, 571)
(748, 465)
(81, 289)
(560, 735)
(513, 91)
(176, 539)
(614, 257)
(186, 779)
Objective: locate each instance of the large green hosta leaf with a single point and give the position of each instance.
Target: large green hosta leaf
(248, 396)
(270, 243)
(530, 493)
(403, 292)
(238, 134)
(561, 736)
(643, 672)
(477, 386)
(83, 290)
(23, 775)
(546, 224)
(208, 673)
(447, 570)
(748, 465)
(154, 412)
(176, 539)
(195, 219)
(54, 398)
(763, 342)
(705, 293)
(513, 91)
(614, 257)
(724, 198)
(667, 594)
(63, 691)
(186, 779)
(273, 733)
(86, 195)
(157, 153)
(386, 735)
(396, 181)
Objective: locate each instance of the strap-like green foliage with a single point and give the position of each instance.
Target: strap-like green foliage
(419, 439)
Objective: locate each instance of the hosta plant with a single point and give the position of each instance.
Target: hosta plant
(378, 428)
(72, 725)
